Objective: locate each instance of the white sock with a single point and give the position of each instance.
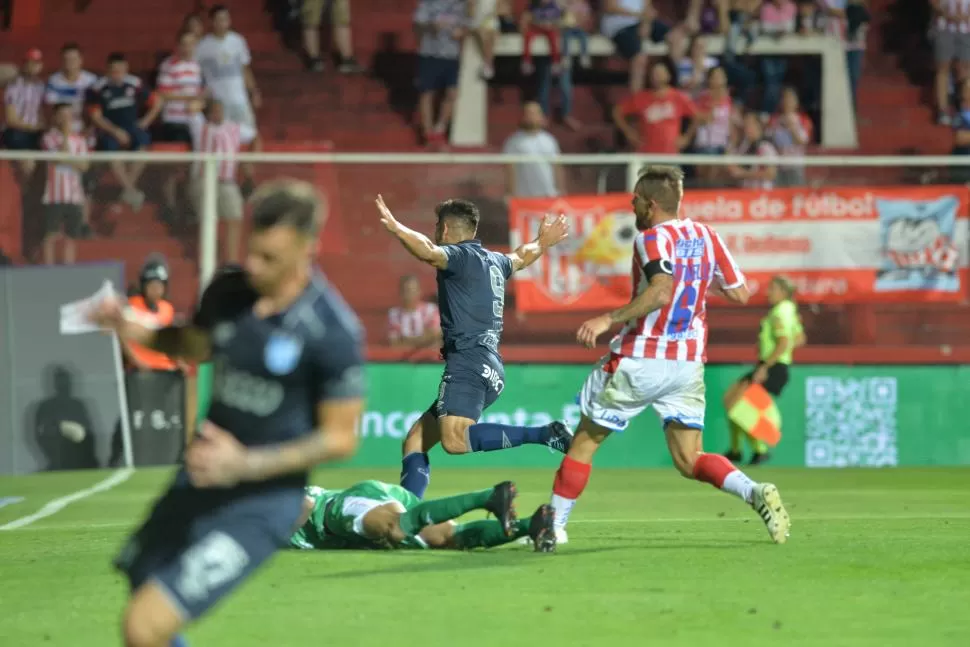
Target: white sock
(562, 507)
(738, 484)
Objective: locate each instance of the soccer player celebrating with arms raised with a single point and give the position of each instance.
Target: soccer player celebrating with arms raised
(471, 300)
(658, 357)
(287, 395)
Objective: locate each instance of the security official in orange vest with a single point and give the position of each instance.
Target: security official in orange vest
(150, 302)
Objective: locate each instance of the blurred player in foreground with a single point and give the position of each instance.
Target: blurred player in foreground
(372, 514)
(781, 333)
(287, 395)
(658, 357)
(471, 300)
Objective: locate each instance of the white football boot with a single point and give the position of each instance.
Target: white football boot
(767, 503)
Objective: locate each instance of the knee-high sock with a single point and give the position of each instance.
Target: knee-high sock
(571, 480)
(435, 511)
(719, 472)
(490, 436)
(416, 473)
(488, 533)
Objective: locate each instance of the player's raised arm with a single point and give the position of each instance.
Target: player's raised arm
(419, 245)
(552, 231)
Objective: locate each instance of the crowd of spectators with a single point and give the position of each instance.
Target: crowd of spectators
(204, 97)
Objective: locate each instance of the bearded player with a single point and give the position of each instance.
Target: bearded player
(471, 300)
(287, 394)
(372, 514)
(658, 357)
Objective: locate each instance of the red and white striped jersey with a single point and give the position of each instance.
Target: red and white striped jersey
(960, 8)
(697, 256)
(178, 77)
(226, 137)
(716, 133)
(404, 324)
(26, 96)
(63, 180)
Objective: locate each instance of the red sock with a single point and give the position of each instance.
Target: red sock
(713, 469)
(571, 478)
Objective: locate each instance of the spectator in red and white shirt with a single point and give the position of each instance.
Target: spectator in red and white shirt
(64, 191)
(790, 131)
(215, 134)
(753, 143)
(715, 112)
(22, 101)
(415, 323)
(660, 113)
(179, 82)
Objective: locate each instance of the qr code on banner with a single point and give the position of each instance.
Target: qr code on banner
(850, 422)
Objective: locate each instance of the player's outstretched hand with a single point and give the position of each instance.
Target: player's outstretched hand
(215, 458)
(387, 218)
(592, 329)
(108, 313)
(553, 231)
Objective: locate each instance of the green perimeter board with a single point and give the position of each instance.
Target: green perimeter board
(833, 416)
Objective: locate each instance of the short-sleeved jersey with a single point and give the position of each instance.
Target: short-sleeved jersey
(660, 115)
(270, 374)
(119, 103)
(695, 255)
(61, 90)
(471, 296)
(782, 321)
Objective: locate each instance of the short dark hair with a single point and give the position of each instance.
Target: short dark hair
(662, 184)
(116, 57)
(217, 9)
(70, 46)
(287, 203)
(407, 278)
(462, 212)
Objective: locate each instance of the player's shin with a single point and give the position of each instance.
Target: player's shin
(490, 436)
(487, 534)
(722, 474)
(435, 511)
(416, 473)
(571, 480)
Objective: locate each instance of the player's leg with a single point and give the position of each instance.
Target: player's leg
(415, 466)
(489, 533)
(682, 411)
(498, 500)
(616, 391)
(469, 386)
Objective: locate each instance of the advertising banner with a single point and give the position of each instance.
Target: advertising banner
(839, 245)
(832, 416)
(156, 406)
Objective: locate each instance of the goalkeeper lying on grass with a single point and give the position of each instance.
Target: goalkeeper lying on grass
(372, 514)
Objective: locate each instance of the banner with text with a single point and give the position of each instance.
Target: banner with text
(839, 245)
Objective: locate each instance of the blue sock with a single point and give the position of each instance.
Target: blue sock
(416, 473)
(179, 641)
(490, 436)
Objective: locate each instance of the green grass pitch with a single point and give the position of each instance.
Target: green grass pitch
(876, 558)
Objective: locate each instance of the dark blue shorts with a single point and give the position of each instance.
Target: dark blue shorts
(139, 139)
(20, 140)
(628, 42)
(472, 382)
(436, 73)
(200, 545)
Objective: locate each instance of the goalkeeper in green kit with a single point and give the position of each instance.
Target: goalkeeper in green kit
(372, 514)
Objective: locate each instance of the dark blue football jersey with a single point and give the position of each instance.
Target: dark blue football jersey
(471, 296)
(270, 374)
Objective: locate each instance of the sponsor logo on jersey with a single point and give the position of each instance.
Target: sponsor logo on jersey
(282, 353)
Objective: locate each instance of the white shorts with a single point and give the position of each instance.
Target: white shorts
(229, 200)
(485, 15)
(620, 388)
(240, 112)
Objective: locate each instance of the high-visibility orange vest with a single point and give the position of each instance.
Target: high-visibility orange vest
(162, 317)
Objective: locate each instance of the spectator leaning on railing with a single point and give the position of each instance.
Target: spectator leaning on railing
(534, 179)
(23, 99)
(441, 26)
(64, 190)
